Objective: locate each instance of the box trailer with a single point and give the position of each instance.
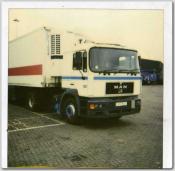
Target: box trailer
(87, 79)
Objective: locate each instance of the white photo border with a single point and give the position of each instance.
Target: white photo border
(168, 62)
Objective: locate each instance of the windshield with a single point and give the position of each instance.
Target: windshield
(113, 60)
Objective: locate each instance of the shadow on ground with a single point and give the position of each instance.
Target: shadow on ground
(106, 123)
(90, 123)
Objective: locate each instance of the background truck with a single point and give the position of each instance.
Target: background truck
(87, 79)
(151, 71)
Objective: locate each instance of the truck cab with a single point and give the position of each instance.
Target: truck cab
(101, 80)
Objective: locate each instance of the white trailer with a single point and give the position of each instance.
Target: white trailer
(88, 79)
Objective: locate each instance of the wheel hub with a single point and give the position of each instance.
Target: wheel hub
(70, 110)
(30, 102)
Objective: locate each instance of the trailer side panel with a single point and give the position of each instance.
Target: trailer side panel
(27, 56)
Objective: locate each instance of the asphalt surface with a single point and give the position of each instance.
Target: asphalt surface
(43, 139)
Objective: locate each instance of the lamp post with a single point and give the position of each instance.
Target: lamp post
(16, 23)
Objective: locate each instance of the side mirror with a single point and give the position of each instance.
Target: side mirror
(84, 61)
(140, 59)
(77, 61)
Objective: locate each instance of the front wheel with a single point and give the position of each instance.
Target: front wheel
(70, 110)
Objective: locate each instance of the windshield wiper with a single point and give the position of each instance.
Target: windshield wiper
(134, 71)
(109, 71)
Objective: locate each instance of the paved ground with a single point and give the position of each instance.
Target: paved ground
(42, 139)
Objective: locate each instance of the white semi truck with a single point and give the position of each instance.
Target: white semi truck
(88, 79)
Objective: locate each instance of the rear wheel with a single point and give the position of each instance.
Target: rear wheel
(70, 110)
(31, 101)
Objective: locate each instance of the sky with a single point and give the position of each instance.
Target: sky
(137, 29)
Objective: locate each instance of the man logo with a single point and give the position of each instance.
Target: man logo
(120, 90)
(120, 87)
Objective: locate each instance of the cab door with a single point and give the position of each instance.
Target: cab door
(80, 74)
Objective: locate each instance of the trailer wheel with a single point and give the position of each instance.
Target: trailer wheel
(70, 110)
(31, 101)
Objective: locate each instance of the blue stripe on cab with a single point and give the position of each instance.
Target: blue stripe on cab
(101, 78)
(117, 78)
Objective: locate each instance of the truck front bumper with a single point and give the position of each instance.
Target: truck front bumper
(109, 107)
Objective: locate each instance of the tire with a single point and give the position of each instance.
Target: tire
(70, 110)
(148, 82)
(31, 102)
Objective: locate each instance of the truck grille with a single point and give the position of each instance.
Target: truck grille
(55, 44)
(119, 88)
